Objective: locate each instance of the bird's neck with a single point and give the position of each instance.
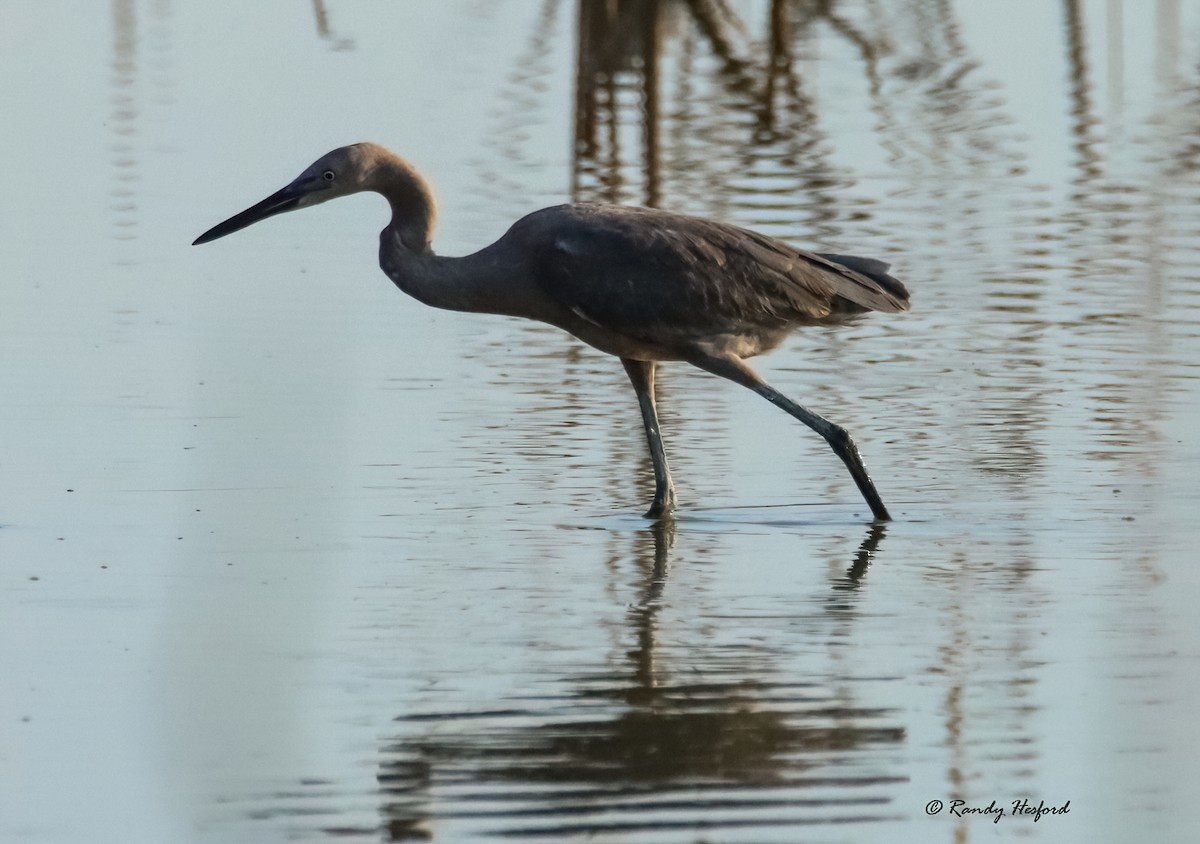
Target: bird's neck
(484, 282)
(492, 280)
(414, 212)
(404, 246)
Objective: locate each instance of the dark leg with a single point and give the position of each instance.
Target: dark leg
(641, 373)
(735, 369)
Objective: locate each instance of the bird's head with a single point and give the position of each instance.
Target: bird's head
(343, 171)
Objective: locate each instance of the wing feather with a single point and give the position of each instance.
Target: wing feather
(655, 274)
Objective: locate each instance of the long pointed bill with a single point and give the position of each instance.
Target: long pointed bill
(276, 203)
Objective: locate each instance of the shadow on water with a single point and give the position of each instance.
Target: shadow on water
(642, 747)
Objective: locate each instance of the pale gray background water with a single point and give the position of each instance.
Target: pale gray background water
(286, 556)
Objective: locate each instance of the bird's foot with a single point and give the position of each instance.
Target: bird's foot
(663, 506)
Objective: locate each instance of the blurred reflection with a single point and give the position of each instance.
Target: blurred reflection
(1115, 221)
(617, 69)
(130, 100)
(862, 561)
(521, 102)
(990, 703)
(122, 123)
(337, 42)
(1083, 118)
(649, 736)
(718, 119)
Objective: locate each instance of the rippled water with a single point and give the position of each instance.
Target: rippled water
(285, 556)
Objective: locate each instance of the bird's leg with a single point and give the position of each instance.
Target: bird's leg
(736, 370)
(641, 373)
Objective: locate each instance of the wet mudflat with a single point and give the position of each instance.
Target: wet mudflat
(286, 556)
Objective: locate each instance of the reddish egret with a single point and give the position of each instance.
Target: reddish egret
(641, 284)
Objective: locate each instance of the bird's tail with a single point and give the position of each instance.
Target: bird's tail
(894, 294)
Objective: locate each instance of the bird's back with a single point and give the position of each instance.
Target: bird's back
(667, 277)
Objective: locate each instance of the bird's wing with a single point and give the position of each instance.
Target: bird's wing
(654, 274)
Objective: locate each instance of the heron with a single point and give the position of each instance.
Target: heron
(642, 284)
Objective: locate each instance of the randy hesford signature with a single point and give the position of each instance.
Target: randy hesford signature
(996, 811)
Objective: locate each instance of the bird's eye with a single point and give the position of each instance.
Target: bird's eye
(329, 175)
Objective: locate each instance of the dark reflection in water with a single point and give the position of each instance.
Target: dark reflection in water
(717, 117)
(326, 32)
(1082, 113)
(640, 748)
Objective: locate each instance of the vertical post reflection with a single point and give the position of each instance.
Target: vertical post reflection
(652, 24)
(123, 119)
(1082, 116)
(726, 122)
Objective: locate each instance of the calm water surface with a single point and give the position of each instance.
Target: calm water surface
(286, 556)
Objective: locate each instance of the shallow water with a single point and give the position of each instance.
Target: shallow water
(286, 556)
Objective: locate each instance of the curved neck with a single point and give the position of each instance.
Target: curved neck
(492, 280)
(426, 277)
(414, 212)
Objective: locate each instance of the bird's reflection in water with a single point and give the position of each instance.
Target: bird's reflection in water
(641, 746)
(853, 579)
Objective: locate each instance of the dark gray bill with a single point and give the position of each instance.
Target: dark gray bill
(276, 203)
